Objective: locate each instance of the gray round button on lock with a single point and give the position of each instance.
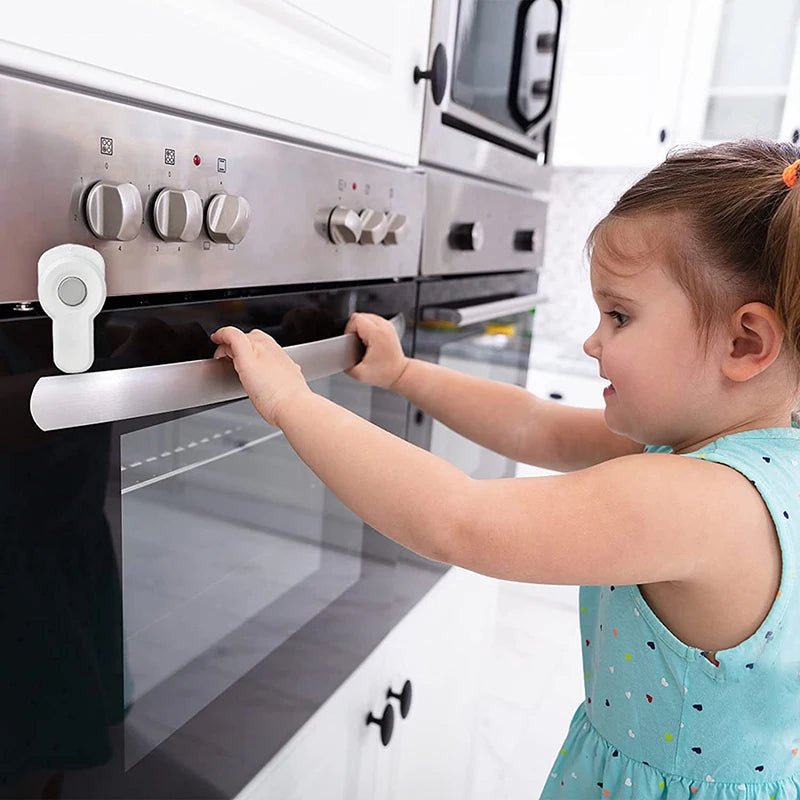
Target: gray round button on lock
(72, 291)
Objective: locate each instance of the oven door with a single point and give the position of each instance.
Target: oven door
(181, 591)
(480, 326)
(502, 62)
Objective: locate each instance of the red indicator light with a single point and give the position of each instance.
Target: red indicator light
(196, 160)
(355, 186)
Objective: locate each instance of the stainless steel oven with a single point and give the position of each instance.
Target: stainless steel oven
(482, 249)
(494, 71)
(178, 592)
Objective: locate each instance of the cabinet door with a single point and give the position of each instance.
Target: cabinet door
(790, 126)
(621, 81)
(335, 754)
(339, 74)
(730, 97)
(440, 647)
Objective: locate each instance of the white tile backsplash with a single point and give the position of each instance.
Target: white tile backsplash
(579, 198)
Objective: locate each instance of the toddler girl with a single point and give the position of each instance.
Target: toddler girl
(688, 610)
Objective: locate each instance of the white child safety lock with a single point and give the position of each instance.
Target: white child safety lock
(72, 290)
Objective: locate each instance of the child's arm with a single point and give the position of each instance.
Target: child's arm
(499, 416)
(637, 519)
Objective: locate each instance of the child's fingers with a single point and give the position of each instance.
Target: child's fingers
(363, 325)
(222, 351)
(354, 323)
(234, 340)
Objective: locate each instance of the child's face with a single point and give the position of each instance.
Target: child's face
(647, 344)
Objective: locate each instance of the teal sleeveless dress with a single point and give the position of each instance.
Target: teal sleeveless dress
(662, 720)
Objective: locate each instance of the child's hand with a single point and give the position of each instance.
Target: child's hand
(384, 361)
(267, 374)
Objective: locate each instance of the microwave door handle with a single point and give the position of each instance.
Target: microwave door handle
(470, 315)
(520, 40)
(89, 398)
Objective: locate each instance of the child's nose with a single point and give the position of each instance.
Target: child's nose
(592, 346)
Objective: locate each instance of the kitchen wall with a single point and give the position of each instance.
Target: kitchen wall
(579, 198)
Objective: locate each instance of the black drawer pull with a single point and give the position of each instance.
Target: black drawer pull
(386, 723)
(404, 697)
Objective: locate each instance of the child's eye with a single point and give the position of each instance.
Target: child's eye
(620, 318)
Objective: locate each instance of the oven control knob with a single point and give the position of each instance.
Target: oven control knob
(525, 240)
(227, 218)
(178, 216)
(374, 226)
(114, 211)
(344, 225)
(467, 236)
(398, 229)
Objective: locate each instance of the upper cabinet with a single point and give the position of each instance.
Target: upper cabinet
(641, 76)
(336, 74)
(743, 59)
(621, 82)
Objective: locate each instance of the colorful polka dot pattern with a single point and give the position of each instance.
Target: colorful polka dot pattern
(664, 720)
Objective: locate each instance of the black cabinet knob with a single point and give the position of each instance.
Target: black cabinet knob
(404, 697)
(437, 74)
(466, 236)
(662, 135)
(796, 136)
(385, 723)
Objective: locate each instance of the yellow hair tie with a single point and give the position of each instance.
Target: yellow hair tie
(790, 174)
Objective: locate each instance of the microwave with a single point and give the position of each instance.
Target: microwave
(493, 74)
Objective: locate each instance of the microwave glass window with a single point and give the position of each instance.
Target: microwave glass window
(230, 544)
(484, 54)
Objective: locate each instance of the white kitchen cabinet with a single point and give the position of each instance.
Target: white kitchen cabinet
(337, 74)
(621, 82)
(335, 755)
(440, 646)
(745, 72)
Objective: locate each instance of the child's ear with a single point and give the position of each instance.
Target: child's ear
(754, 341)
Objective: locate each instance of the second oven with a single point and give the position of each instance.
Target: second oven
(481, 326)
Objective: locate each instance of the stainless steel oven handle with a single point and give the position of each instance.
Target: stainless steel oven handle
(469, 315)
(69, 401)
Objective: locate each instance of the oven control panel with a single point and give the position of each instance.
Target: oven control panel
(473, 226)
(180, 205)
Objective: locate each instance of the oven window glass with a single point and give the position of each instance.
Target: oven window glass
(484, 53)
(221, 521)
(498, 350)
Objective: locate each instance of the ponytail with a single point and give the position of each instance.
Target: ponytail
(783, 241)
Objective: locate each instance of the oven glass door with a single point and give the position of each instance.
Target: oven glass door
(505, 60)
(182, 592)
(485, 332)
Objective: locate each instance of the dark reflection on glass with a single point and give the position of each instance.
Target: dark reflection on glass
(484, 51)
(60, 687)
(220, 521)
